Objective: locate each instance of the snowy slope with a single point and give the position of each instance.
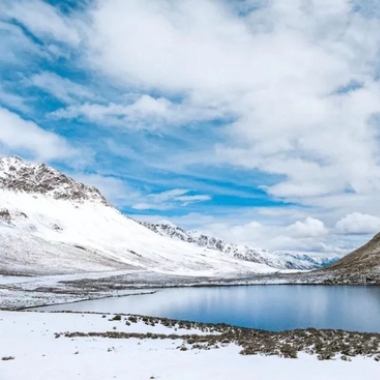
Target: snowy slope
(51, 224)
(278, 260)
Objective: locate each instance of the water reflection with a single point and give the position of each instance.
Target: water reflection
(273, 308)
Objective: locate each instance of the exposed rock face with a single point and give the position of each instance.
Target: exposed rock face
(278, 260)
(17, 175)
(5, 215)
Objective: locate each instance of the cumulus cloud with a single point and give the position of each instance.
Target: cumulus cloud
(296, 84)
(308, 236)
(17, 134)
(358, 223)
(285, 72)
(311, 227)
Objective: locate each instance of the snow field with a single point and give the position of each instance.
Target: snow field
(38, 355)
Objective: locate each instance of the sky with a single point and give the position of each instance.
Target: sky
(256, 121)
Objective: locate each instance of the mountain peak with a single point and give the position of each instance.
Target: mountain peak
(21, 176)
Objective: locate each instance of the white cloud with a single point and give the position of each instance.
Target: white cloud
(142, 206)
(283, 72)
(12, 100)
(358, 223)
(61, 88)
(18, 135)
(277, 70)
(308, 236)
(168, 195)
(15, 46)
(169, 199)
(120, 194)
(43, 20)
(144, 112)
(179, 195)
(311, 227)
(187, 199)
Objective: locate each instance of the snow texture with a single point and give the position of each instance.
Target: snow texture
(42, 356)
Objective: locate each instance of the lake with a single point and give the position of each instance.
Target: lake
(275, 308)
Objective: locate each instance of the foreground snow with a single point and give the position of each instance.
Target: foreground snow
(38, 355)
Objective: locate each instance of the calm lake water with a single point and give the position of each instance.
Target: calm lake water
(273, 308)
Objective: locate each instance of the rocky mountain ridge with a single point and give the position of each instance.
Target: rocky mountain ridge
(279, 260)
(20, 176)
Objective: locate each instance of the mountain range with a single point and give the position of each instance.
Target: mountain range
(51, 224)
(279, 260)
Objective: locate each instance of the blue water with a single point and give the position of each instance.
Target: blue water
(273, 308)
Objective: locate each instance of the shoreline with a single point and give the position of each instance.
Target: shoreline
(29, 292)
(140, 347)
(41, 345)
(325, 344)
(186, 321)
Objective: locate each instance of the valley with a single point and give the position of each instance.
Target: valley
(63, 244)
(189, 190)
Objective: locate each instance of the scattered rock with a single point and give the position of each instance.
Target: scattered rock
(7, 358)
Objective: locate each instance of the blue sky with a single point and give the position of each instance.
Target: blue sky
(256, 121)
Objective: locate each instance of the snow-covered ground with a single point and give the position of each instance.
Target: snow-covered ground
(30, 339)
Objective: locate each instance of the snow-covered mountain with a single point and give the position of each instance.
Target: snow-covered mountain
(21, 177)
(278, 260)
(50, 223)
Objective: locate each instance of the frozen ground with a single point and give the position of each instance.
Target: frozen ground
(30, 339)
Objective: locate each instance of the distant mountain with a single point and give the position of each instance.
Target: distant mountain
(279, 260)
(50, 223)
